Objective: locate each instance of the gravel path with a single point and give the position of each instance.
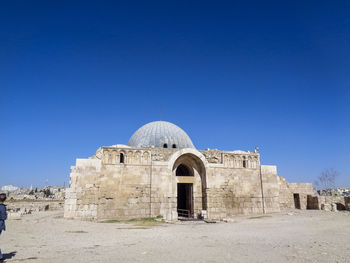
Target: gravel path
(296, 236)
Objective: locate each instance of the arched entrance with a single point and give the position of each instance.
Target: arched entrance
(189, 172)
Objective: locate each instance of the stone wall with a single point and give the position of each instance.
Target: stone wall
(270, 188)
(124, 183)
(347, 202)
(17, 208)
(341, 202)
(239, 191)
(287, 191)
(82, 195)
(107, 189)
(233, 191)
(309, 199)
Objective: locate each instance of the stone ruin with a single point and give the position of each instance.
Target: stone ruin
(160, 172)
(22, 201)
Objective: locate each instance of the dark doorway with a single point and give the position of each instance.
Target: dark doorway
(340, 206)
(296, 201)
(183, 170)
(312, 202)
(185, 200)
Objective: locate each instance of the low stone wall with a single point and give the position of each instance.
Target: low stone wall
(287, 191)
(347, 202)
(18, 208)
(333, 203)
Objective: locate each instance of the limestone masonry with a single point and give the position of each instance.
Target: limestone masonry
(160, 172)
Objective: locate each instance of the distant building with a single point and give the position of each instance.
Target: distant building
(9, 188)
(160, 172)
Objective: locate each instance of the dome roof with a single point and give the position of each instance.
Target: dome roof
(161, 134)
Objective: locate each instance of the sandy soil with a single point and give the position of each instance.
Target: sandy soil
(298, 236)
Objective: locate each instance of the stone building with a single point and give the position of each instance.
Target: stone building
(160, 172)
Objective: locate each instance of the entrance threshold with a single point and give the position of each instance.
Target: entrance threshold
(181, 218)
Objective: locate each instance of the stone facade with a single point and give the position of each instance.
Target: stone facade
(123, 182)
(290, 192)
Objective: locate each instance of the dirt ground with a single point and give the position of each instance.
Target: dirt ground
(295, 236)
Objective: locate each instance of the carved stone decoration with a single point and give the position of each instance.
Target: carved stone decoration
(212, 156)
(137, 158)
(226, 160)
(254, 164)
(239, 162)
(106, 157)
(235, 162)
(251, 163)
(145, 157)
(110, 158)
(130, 157)
(157, 156)
(257, 161)
(98, 154)
(113, 156)
(232, 161)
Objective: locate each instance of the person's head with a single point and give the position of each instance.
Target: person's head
(2, 197)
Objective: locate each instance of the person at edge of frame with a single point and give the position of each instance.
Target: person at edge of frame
(3, 217)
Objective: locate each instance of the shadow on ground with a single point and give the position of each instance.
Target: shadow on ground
(8, 255)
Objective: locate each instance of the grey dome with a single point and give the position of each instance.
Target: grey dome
(158, 133)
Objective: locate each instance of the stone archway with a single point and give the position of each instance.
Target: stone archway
(189, 172)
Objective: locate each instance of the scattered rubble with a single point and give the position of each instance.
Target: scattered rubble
(22, 201)
(18, 208)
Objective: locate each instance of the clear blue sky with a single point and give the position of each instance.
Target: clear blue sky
(233, 74)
